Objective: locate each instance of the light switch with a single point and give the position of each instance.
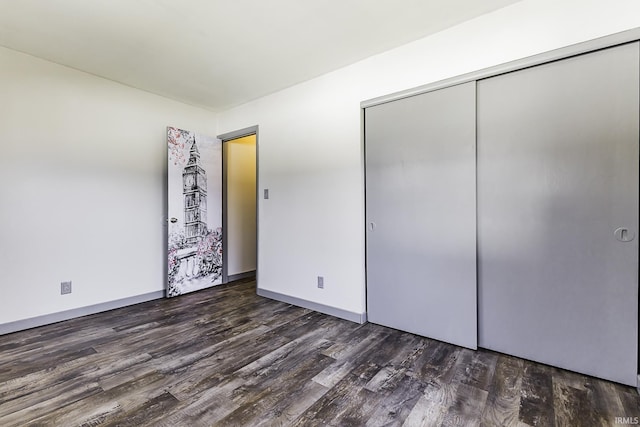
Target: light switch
(266, 193)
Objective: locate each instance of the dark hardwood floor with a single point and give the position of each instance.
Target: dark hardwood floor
(227, 357)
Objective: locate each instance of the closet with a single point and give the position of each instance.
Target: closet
(421, 246)
(540, 165)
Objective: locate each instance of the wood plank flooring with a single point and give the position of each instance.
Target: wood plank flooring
(226, 357)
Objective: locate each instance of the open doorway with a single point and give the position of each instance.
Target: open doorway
(239, 211)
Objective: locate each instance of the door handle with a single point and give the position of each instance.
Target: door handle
(372, 226)
(624, 235)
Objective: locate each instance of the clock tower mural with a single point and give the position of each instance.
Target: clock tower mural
(195, 212)
(194, 179)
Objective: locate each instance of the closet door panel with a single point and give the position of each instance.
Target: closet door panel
(420, 207)
(558, 213)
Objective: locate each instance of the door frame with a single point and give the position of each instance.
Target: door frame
(226, 137)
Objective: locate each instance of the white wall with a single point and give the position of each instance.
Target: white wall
(82, 183)
(240, 161)
(310, 151)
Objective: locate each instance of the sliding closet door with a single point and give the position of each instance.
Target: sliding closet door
(558, 213)
(420, 192)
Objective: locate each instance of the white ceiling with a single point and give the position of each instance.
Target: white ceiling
(221, 53)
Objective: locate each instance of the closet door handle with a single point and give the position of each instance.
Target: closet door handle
(372, 226)
(624, 235)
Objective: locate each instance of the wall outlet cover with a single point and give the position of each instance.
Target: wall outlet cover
(65, 288)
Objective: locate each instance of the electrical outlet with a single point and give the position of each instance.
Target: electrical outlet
(320, 282)
(65, 288)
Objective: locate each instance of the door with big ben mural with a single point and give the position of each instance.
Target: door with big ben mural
(194, 252)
